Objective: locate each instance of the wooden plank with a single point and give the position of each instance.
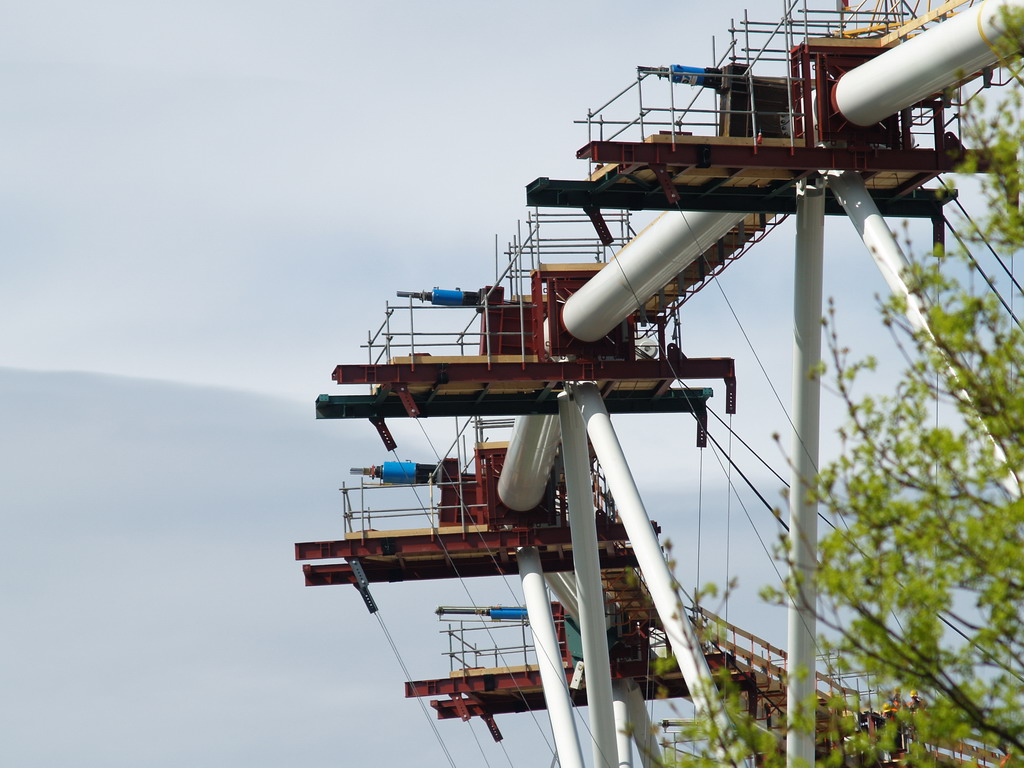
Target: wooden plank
(456, 359)
(722, 141)
(357, 536)
(920, 21)
(848, 42)
(483, 671)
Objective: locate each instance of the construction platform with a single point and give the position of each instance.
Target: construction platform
(735, 174)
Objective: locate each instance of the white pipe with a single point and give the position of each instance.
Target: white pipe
(589, 592)
(849, 189)
(803, 514)
(528, 462)
(924, 65)
(552, 673)
(648, 263)
(564, 587)
(623, 724)
(694, 667)
(644, 735)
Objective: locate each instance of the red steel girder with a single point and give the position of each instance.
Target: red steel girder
(440, 542)
(422, 372)
(795, 158)
(519, 691)
(444, 567)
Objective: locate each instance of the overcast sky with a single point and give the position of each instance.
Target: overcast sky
(203, 208)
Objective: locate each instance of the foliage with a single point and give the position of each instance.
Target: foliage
(922, 580)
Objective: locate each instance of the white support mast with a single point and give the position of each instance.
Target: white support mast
(851, 192)
(590, 600)
(655, 569)
(623, 726)
(644, 735)
(552, 672)
(803, 514)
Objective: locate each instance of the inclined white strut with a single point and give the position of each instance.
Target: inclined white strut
(552, 673)
(590, 600)
(660, 583)
(849, 189)
(528, 462)
(924, 65)
(644, 266)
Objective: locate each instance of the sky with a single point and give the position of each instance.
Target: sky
(204, 206)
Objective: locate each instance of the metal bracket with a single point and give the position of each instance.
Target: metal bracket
(492, 727)
(599, 224)
(730, 394)
(362, 584)
(402, 390)
(702, 428)
(577, 677)
(460, 706)
(665, 179)
(385, 433)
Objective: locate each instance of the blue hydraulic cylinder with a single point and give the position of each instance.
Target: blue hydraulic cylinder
(688, 75)
(398, 472)
(508, 614)
(441, 297)
(702, 77)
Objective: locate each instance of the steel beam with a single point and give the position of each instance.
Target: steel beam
(506, 404)
(901, 202)
(451, 541)
(796, 158)
(444, 567)
(676, 365)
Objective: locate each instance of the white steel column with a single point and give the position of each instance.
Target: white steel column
(851, 192)
(644, 735)
(623, 725)
(589, 592)
(564, 587)
(660, 583)
(803, 514)
(552, 673)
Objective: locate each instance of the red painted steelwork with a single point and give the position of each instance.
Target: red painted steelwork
(442, 542)
(675, 365)
(491, 563)
(503, 691)
(796, 158)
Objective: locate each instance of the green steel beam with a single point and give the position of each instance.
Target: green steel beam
(625, 401)
(774, 198)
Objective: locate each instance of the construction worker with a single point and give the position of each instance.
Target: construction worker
(895, 702)
(915, 703)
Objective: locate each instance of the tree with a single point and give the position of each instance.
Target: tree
(922, 580)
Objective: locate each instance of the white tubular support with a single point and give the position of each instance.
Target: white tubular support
(660, 583)
(648, 263)
(924, 65)
(589, 592)
(552, 673)
(803, 515)
(564, 587)
(623, 725)
(849, 189)
(531, 454)
(644, 735)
